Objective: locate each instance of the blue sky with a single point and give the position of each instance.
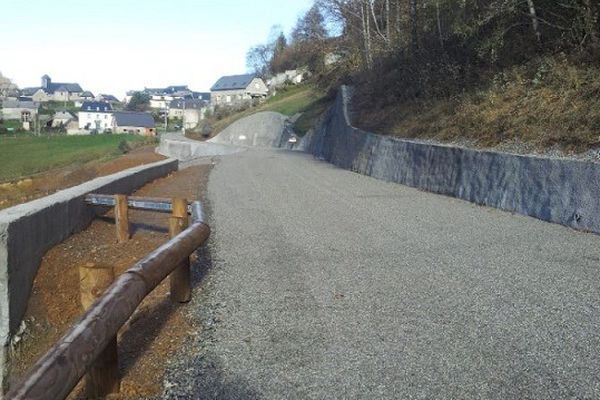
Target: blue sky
(111, 46)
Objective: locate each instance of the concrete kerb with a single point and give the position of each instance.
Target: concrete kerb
(28, 230)
(556, 190)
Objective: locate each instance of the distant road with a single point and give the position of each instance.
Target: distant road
(329, 284)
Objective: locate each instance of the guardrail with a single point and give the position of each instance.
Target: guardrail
(56, 374)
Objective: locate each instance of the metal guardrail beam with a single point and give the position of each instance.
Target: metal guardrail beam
(140, 203)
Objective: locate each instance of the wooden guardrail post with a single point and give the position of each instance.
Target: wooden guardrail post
(102, 378)
(122, 218)
(180, 279)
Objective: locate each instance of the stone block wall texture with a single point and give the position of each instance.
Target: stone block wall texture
(556, 190)
(28, 230)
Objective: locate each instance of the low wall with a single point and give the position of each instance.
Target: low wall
(185, 149)
(28, 230)
(561, 191)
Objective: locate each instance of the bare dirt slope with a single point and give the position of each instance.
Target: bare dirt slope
(52, 181)
(155, 331)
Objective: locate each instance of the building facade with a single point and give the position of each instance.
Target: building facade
(236, 89)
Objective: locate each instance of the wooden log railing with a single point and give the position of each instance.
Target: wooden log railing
(56, 374)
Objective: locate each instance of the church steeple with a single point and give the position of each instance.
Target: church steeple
(46, 81)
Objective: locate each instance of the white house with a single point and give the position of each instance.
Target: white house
(188, 110)
(62, 118)
(96, 116)
(236, 89)
(293, 76)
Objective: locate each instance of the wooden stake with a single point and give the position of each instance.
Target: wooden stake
(102, 378)
(180, 279)
(122, 218)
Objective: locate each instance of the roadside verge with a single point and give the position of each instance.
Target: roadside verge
(28, 230)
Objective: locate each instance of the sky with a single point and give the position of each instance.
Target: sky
(112, 46)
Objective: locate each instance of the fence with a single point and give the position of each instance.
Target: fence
(90, 344)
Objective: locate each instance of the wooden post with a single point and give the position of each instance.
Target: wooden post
(180, 279)
(121, 218)
(102, 378)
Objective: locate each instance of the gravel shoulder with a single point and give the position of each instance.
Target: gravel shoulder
(329, 284)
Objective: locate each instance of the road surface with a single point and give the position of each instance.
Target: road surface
(329, 284)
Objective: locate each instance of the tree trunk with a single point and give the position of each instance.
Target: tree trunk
(387, 20)
(439, 23)
(398, 27)
(364, 13)
(413, 23)
(534, 21)
(591, 20)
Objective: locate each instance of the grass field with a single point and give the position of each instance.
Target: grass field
(305, 99)
(25, 155)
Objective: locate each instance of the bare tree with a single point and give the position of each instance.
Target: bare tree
(534, 21)
(413, 25)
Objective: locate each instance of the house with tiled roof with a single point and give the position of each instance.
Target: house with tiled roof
(54, 91)
(95, 116)
(140, 123)
(190, 111)
(236, 89)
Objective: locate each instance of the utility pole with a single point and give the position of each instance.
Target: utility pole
(183, 119)
(166, 116)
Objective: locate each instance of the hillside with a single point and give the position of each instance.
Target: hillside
(551, 104)
(308, 100)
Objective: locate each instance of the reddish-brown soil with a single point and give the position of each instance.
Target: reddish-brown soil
(155, 331)
(52, 181)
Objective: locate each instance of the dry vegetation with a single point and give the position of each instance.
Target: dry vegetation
(553, 103)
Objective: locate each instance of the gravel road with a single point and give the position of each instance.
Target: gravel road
(329, 284)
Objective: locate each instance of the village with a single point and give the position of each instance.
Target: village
(66, 108)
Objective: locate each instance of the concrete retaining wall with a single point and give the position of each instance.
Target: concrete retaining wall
(264, 129)
(562, 191)
(185, 149)
(28, 230)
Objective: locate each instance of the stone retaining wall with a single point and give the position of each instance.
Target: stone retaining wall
(561, 191)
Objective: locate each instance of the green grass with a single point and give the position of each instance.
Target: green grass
(11, 124)
(25, 155)
(50, 107)
(306, 99)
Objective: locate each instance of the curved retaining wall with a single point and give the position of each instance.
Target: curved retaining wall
(186, 149)
(28, 230)
(562, 191)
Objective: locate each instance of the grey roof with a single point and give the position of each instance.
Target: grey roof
(189, 104)
(19, 104)
(63, 114)
(136, 119)
(174, 89)
(233, 82)
(201, 95)
(29, 91)
(96, 106)
(87, 93)
(64, 87)
(107, 97)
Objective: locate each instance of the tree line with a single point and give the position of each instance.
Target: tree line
(432, 45)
